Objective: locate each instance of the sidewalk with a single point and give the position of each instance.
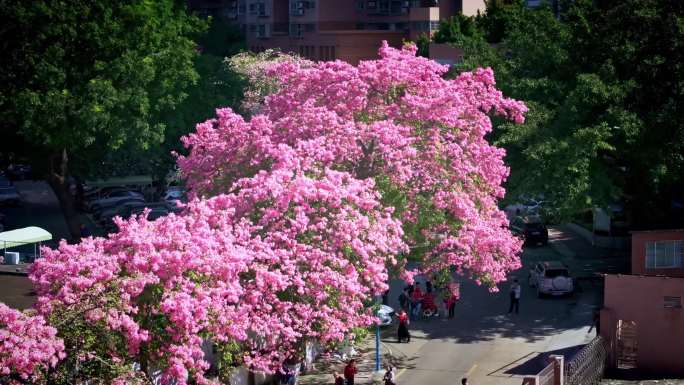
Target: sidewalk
(324, 367)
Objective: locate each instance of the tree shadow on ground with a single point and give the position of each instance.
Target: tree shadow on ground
(482, 316)
(539, 361)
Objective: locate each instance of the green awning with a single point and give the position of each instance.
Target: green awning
(25, 236)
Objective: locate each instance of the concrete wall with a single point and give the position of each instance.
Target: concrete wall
(660, 330)
(470, 7)
(349, 46)
(639, 239)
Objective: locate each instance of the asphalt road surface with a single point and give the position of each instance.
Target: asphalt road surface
(488, 346)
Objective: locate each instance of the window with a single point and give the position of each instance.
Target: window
(664, 254)
(359, 6)
(672, 302)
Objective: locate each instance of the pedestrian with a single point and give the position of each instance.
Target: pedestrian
(385, 297)
(350, 371)
(339, 380)
(286, 375)
(428, 286)
(596, 322)
(416, 299)
(464, 381)
(402, 331)
(450, 304)
(404, 300)
(515, 297)
(390, 377)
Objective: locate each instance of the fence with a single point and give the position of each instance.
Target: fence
(545, 377)
(584, 368)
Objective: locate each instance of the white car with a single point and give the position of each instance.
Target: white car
(174, 194)
(551, 278)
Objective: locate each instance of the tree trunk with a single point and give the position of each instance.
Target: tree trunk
(57, 179)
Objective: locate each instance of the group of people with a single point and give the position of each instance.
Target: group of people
(350, 371)
(416, 302)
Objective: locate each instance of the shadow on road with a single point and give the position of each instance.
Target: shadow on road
(539, 361)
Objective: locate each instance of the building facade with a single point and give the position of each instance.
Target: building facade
(349, 30)
(642, 319)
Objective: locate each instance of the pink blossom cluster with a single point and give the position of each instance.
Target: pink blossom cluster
(28, 347)
(395, 120)
(286, 258)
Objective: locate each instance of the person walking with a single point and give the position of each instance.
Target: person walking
(464, 381)
(350, 372)
(515, 297)
(402, 331)
(416, 299)
(390, 377)
(404, 300)
(450, 304)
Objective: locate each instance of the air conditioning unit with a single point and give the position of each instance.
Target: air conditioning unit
(299, 12)
(11, 258)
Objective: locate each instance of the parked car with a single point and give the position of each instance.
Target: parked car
(124, 209)
(105, 192)
(19, 171)
(157, 209)
(174, 194)
(531, 229)
(9, 195)
(551, 277)
(114, 198)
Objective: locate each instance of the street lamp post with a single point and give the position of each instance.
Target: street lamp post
(377, 347)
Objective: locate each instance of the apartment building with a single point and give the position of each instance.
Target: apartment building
(349, 30)
(642, 317)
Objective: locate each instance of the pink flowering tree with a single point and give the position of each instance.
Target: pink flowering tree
(395, 121)
(286, 258)
(29, 348)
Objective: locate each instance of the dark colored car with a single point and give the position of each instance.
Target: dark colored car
(157, 210)
(19, 171)
(531, 229)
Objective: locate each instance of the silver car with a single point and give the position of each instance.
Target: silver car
(551, 278)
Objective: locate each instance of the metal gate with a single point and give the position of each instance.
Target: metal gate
(586, 367)
(626, 344)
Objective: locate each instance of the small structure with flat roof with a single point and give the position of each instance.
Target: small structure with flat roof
(21, 237)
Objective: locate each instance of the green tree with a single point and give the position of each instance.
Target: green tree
(91, 81)
(457, 29)
(218, 86)
(602, 84)
(500, 18)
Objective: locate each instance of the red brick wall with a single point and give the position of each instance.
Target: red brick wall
(639, 240)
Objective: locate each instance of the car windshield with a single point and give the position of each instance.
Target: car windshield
(556, 273)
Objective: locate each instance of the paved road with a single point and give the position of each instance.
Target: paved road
(490, 347)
